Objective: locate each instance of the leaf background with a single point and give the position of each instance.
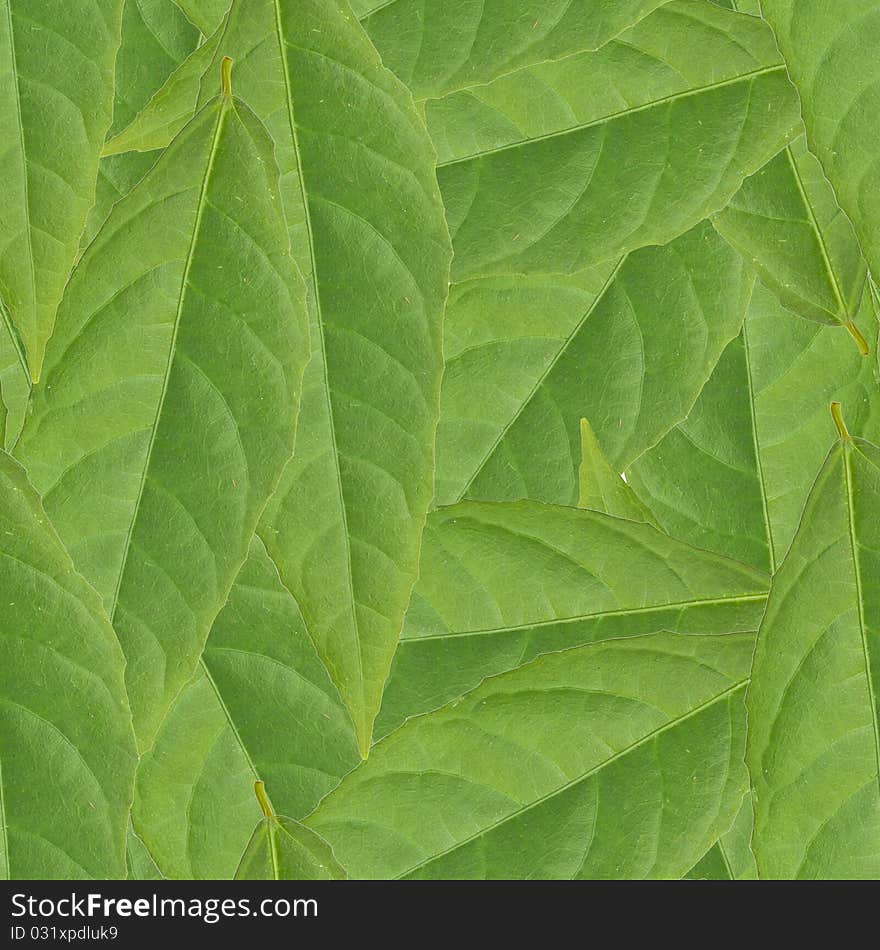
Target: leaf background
(664, 229)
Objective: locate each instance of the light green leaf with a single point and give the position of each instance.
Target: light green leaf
(618, 759)
(735, 476)
(139, 863)
(786, 222)
(501, 583)
(830, 50)
(261, 707)
(156, 39)
(170, 107)
(285, 711)
(67, 753)
(629, 349)
(205, 14)
(814, 742)
(548, 197)
(282, 849)
(366, 225)
(603, 489)
(193, 805)
(15, 381)
(56, 95)
(168, 405)
(445, 46)
(117, 175)
(730, 858)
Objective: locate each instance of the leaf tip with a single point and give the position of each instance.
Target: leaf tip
(226, 76)
(840, 425)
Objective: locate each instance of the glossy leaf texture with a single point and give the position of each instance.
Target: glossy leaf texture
(179, 353)
(502, 583)
(814, 743)
(580, 764)
(56, 96)
(734, 477)
(830, 51)
(67, 751)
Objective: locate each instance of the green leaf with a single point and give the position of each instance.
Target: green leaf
(629, 348)
(831, 54)
(67, 754)
(501, 583)
(171, 105)
(786, 222)
(156, 39)
(205, 14)
(814, 741)
(367, 227)
(168, 406)
(261, 707)
(601, 488)
(445, 46)
(734, 477)
(56, 95)
(730, 858)
(543, 191)
(282, 849)
(266, 672)
(618, 759)
(193, 806)
(139, 863)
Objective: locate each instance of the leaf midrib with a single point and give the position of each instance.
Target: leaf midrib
(820, 237)
(7, 871)
(600, 615)
(539, 382)
(363, 741)
(848, 450)
(25, 186)
(648, 737)
(611, 117)
(223, 108)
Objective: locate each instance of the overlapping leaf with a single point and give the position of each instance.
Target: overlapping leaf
(830, 52)
(56, 95)
(168, 406)
(367, 226)
(554, 769)
(261, 708)
(735, 476)
(814, 742)
(67, 751)
(502, 583)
